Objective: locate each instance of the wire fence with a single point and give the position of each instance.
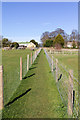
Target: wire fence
(28, 61)
(63, 51)
(67, 85)
(11, 79)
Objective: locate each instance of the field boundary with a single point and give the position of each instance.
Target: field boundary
(64, 81)
(30, 61)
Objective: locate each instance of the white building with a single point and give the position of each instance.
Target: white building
(69, 44)
(26, 45)
(23, 45)
(31, 45)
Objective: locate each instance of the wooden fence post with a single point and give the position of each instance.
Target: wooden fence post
(1, 87)
(20, 68)
(70, 93)
(31, 58)
(52, 63)
(27, 62)
(50, 51)
(35, 54)
(56, 70)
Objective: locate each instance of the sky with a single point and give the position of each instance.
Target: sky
(23, 21)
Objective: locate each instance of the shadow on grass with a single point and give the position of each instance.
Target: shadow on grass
(18, 97)
(35, 63)
(60, 77)
(32, 68)
(29, 76)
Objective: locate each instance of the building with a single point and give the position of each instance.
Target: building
(31, 45)
(23, 45)
(70, 44)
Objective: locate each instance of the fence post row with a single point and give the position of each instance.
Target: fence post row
(27, 62)
(56, 70)
(20, 68)
(70, 93)
(31, 58)
(1, 78)
(1, 87)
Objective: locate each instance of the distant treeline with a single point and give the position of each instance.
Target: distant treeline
(7, 43)
(49, 39)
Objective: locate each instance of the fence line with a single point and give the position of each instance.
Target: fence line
(62, 51)
(30, 60)
(20, 68)
(27, 64)
(62, 78)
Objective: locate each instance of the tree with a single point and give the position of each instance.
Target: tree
(74, 35)
(33, 41)
(44, 36)
(59, 40)
(51, 35)
(36, 43)
(14, 44)
(58, 46)
(74, 44)
(48, 43)
(5, 42)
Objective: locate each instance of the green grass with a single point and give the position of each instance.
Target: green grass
(43, 100)
(11, 69)
(69, 61)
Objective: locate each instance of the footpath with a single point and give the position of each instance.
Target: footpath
(37, 96)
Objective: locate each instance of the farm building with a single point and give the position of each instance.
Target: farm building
(70, 44)
(26, 45)
(23, 44)
(31, 45)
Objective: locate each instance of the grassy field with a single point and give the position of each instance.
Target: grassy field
(68, 61)
(37, 95)
(11, 67)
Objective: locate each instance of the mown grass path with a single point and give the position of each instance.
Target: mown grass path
(37, 96)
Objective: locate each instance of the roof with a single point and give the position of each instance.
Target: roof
(23, 44)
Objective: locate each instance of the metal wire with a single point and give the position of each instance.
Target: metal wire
(62, 84)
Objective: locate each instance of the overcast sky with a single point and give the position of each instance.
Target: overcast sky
(23, 21)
